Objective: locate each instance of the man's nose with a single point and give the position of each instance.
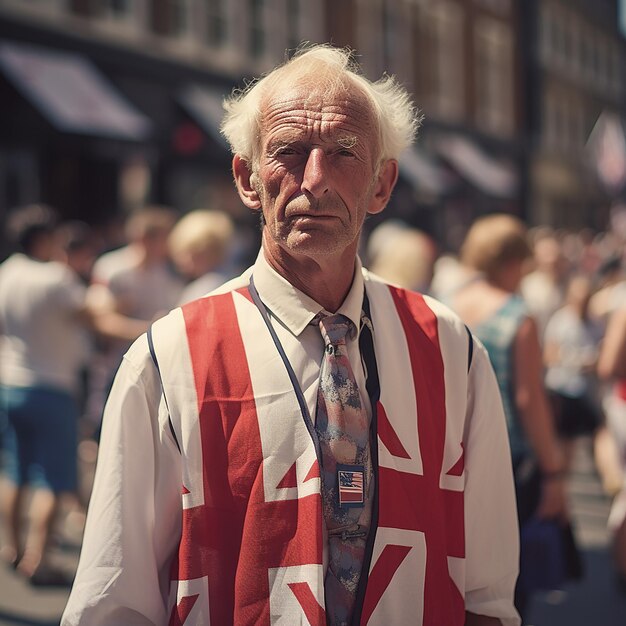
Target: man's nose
(316, 177)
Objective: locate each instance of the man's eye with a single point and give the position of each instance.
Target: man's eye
(345, 152)
(286, 151)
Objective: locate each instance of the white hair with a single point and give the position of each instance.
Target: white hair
(330, 68)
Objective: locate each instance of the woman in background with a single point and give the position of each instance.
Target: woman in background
(200, 244)
(571, 343)
(496, 250)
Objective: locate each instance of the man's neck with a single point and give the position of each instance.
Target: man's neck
(326, 280)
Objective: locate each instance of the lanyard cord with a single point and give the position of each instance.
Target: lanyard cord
(292, 375)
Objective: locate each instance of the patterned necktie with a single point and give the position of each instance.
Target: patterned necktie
(343, 431)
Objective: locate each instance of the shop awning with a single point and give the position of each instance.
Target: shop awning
(204, 104)
(71, 92)
(425, 175)
(492, 177)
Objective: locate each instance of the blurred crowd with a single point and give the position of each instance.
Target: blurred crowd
(549, 307)
(69, 309)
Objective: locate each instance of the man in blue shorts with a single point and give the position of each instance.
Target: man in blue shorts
(42, 347)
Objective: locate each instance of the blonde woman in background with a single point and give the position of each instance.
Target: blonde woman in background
(405, 258)
(496, 250)
(199, 246)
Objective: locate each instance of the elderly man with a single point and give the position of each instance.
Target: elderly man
(306, 445)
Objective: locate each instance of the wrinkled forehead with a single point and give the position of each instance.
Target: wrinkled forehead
(318, 111)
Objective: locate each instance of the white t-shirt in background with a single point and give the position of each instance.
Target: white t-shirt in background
(42, 341)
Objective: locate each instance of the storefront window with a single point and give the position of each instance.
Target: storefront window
(448, 22)
(216, 23)
(494, 72)
(293, 24)
(257, 32)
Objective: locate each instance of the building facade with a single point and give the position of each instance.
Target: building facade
(461, 59)
(510, 91)
(576, 59)
(132, 113)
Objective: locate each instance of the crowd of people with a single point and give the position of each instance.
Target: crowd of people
(550, 307)
(546, 309)
(68, 312)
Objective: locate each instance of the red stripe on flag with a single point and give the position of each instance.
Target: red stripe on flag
(351, 497)
(311, 607)
(290, 479)
(181, 611)
(386, 566)
(314, 472)
(212, 533)
(388, 435)
(416, 502)
(236, 530)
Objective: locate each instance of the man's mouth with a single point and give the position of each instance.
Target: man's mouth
(312, 217)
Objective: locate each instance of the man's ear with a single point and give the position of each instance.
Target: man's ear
(386, 181)
(244, 179)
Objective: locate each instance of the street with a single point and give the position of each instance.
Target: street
(594, 601)
(24, 605)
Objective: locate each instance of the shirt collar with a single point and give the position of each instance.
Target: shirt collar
(293, 308)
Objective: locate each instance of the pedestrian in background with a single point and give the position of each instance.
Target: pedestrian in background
(543, 289)
(405, 257)
(571, 345)
(496, 250)
(139, 277)
(200, 244)
(42, 350)
(138, 282)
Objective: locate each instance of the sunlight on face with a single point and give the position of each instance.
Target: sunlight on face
(316, 170)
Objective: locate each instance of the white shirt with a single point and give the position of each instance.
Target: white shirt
(543, 297)
(110, 263)
(144, 292)
(42, 341)
(578, 342)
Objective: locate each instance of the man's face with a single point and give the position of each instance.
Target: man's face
(316, 172)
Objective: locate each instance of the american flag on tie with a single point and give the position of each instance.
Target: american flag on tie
(350, 487)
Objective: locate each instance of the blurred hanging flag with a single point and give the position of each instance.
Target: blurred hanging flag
(607, 149)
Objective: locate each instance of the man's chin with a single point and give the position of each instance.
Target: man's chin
(313, 242)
